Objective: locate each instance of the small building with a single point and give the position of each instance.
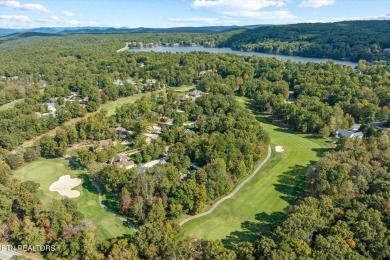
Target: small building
(123, 161)
(122, 132)
(356, 127)
(185, 176)
(151, 81)
(119, 158)
(52, 108)
(118, 82)
(130, 81)
(166, 121)
(84, 101)
(153, 163)
(155, 129)
(349, 134)
(193, 95)
(204, 72)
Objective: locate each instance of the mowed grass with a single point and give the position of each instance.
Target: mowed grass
(258, 206)
(111, 107)
(47, 171)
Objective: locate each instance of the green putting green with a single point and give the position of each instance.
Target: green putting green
(47, 171)
(259, 204)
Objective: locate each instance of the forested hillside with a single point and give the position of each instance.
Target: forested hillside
(346, 210)
(352, 40)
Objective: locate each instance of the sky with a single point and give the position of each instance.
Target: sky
(178, 13)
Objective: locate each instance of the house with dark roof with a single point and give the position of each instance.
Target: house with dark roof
(122, 132)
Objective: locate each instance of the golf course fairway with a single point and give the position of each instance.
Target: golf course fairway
(259, 204)
(47, 171)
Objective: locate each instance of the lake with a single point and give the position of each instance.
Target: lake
(187, 49)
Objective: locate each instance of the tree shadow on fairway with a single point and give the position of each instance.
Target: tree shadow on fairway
(87, 184)
(320, 152)
(292, 183)
(284, 130)
(265, 224)
(111, 201)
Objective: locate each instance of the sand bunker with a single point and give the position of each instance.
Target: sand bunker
(279, 149)
(64, 186)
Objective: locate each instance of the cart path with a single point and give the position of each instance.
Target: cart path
(97, 187)
(232, 193)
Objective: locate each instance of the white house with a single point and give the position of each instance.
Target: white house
(151, 81)
(52, 108)
(350, 134)
(118, 82)
(204, 72)
(153, 163)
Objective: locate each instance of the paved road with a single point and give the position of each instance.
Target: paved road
(8, 254)
(232, 193)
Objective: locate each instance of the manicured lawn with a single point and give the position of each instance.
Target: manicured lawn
(259, 205)
(110, 107)
(46, 171)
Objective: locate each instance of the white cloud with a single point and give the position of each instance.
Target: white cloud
(19, 18)
(68, 13)
(203, 20)
(72, 22)
(377, 17)
(250, 9)
(316, 3)
(261, 15)
(251, 5)
(53, 18)
(25, 7)
(341, 19)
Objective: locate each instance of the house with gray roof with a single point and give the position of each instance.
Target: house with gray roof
(353, 133)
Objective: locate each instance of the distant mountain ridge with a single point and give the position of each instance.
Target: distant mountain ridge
(111, 30)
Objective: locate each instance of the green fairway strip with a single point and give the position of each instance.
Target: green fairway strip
(259, 205)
